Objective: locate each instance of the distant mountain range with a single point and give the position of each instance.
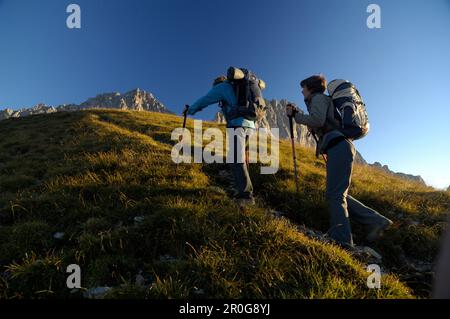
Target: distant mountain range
(137, 99)
(385, 168)
(141, 100)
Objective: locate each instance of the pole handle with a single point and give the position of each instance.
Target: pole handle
(291, 126)
(186, 107)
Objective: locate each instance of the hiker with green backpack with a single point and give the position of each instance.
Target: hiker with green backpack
(239, 94)
(336, 120)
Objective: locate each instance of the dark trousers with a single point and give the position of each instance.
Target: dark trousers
(341, 205)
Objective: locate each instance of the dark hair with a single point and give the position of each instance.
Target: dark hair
(315, 83)
(219, 80)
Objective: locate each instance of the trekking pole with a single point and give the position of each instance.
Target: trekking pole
(291, 127)
(180, 138)
(186, 107)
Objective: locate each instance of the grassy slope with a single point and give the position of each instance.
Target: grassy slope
(89, 174)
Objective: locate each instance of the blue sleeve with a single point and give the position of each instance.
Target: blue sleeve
(215, 95)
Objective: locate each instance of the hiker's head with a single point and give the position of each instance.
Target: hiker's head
(313, 84)
(219, 80)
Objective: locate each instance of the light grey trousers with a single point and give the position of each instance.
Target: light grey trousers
(239, 167)
(341, 206)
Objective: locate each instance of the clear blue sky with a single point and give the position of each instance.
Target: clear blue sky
(175, 48)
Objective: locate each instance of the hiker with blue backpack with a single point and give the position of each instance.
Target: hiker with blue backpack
(239, 94)
(335, 121)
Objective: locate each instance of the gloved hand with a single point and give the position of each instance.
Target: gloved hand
(185, 111)
(291, 110)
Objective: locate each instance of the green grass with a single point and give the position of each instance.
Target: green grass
(89, 174)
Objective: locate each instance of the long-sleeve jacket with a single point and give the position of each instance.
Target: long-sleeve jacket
(222, 92)
(320, 120)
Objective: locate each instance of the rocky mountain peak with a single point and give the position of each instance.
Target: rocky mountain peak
(386, 168)
(137, 99)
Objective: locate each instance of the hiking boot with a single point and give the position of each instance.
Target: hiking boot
(246, 201)
(366, 254)
(377, 231)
